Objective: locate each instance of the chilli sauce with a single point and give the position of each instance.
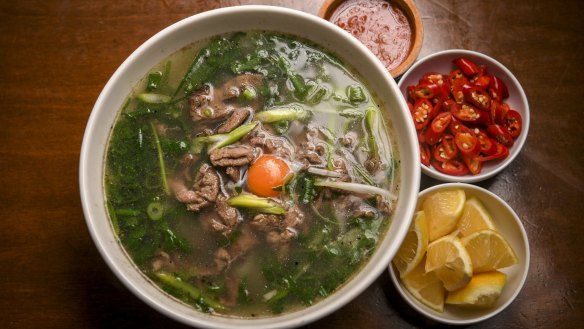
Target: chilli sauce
(380, 25)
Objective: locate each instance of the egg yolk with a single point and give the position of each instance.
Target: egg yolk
(266, 173)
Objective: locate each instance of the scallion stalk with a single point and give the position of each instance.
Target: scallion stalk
(160, 159)
(187, 288)
(152, 98)
(221, 140)
(257, 203)
(288, 113)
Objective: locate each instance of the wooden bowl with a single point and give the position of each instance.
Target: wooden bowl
(410, 10)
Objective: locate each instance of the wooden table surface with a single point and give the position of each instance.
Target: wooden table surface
(56, 56)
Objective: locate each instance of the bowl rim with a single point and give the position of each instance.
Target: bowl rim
(424, 310)
(133, 279)
(526, 116)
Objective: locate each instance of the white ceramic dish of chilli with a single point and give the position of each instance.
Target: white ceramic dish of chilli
(441, 62)
(203, 26)
(509, 225)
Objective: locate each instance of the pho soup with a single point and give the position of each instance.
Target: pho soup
(251, 174)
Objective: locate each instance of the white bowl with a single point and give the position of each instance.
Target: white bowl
(203, 26)
(441, 62)
(509, 225)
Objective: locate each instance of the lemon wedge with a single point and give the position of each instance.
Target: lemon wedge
(414, 247)
(443, 209)
(448, 258)
(482, 291)
(474, 218)
(488, 251)
(425, 287)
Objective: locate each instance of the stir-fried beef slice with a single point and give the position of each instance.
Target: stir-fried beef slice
(235, 120)
(234, 173)
(162, 261)
(232, 156)
(233, 87)
(385, 207)
(223, 257)
(188, 162)
(204, 192)
(276, 238)
(364, 211)
(349, 140)
(280, 230)
(280, 240)
(193, 199)
(308, 152)
(294, 217)
(341, 165)
(228, 214)
(204, 107)
(350, 206)
(209, 103)
(232, 287)
(266, 222)
(215, 225)
(271, 144)
(373, 164)
(207, 182)
(314, 149)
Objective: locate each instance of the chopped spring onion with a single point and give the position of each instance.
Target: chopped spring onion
(249, 94)
(221, 140)
(286, 113)
(127, 212)
(260, 204)
(155, 210)
(356, 94)
(357, 188)
(372, 125)
(152, 98)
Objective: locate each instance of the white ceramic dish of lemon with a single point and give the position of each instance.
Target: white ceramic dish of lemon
(202, 26)
(510, 227)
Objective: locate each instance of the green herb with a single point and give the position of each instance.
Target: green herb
(187, 289)
(154, 79)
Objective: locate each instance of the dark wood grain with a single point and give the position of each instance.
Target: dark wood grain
(56, 56)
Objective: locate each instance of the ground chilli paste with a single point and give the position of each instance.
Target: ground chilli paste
(178, 192)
